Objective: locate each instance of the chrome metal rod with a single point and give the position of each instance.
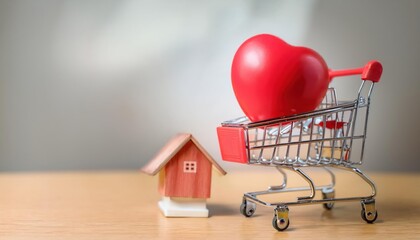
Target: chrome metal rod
(342, 107)
(306, 141)
(283, 185)
(332, 175)
(310, 182)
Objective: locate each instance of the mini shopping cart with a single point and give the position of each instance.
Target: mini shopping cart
(324, 138)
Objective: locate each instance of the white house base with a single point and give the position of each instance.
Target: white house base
(183, 207)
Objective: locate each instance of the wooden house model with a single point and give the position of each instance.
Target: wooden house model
(185, 170)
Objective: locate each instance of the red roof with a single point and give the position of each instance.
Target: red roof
(172, 148)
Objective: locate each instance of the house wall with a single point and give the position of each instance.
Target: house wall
(177, 183)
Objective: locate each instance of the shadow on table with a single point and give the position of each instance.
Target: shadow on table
(222, 210)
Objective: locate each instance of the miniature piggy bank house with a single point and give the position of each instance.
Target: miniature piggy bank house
(184, 168)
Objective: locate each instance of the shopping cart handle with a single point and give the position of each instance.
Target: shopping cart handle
(372, 71)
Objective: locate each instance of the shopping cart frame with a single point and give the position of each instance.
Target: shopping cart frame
(308, 131)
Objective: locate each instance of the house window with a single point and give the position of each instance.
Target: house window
(190, 167)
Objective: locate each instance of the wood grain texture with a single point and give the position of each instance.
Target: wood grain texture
(123, 205)
(178, 183)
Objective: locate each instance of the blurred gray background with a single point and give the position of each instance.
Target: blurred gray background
(104, 84)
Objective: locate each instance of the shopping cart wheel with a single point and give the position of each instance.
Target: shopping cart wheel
(328, 193)
(248, 208)
(328, 205)
(369, 212)
(281, 218)
(369, 217)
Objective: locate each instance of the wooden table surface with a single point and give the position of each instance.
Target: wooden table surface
(123, 205)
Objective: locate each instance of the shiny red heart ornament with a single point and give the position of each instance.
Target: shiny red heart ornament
(273, 79)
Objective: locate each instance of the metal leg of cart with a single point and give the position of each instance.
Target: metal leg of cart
(369, 212)
(281, 211)
(283, 185)
(281, 220)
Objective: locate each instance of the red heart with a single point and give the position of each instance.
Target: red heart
(272, 79)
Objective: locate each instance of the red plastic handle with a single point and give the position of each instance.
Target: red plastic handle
(372, 71)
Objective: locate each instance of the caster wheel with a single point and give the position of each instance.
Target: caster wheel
(281, 218)
(328, 206)
(369, 217)
(247, 209)
(369, 213)
(328, 193)
(280, 224)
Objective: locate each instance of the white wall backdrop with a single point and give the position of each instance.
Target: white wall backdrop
(104, 84)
